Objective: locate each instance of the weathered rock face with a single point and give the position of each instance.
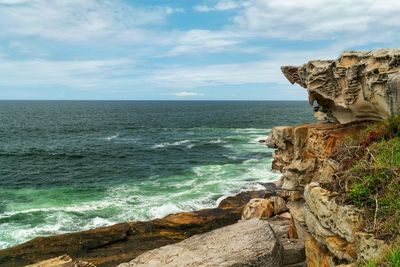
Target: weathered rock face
(109, 246)
(62, 261)
(338, 227)
(332, 225)
(358, 86)
(308, 156)
(247, 243)
(258, 208)
(307, 152)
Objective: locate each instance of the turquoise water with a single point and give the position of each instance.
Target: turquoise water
(74, 165)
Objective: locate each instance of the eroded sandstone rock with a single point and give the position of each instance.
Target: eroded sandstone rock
(338, 227)
(247, 243)
(258, 208)
(342, 220)
(62, 261)
(306, 153)
(279, 204)
(317, 256)
(358, 86)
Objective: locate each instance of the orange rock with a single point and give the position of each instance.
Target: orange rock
(302, 150)
(258, 208)
(316, 256)
(292, 231)
(341, 247)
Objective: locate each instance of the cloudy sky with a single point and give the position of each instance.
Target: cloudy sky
(180, 49)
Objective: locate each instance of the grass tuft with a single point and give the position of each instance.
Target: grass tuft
(371, 178)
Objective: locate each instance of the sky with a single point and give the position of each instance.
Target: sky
(178, 49)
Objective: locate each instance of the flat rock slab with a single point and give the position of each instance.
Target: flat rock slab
(246, 243)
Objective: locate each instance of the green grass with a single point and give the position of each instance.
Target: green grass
(379, 189)
(370, 180)
(390, 260)
(372, 177)
(393, 259)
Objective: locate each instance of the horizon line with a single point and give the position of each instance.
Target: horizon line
(183, 100)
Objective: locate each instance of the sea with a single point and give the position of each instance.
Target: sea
(74, 165)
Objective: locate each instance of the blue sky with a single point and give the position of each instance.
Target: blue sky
(182, 49)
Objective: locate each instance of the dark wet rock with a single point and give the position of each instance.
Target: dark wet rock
(109, 246)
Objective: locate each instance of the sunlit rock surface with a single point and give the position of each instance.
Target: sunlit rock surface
(358, 86)
(247, 243)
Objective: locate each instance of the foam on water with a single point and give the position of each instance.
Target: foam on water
(203, 187)
(88, 164)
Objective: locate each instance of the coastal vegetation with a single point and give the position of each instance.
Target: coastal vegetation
(370, 180)
(392, 259)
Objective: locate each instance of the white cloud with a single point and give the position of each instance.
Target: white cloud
(71, 73)
(220, 6)
(221, 74)
(202, 8)
(203, 41)
(187, 94)
(315, 19)
(13, 2)
(77, 20)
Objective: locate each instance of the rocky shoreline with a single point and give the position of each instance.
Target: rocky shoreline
(109, 246)
(296, 221)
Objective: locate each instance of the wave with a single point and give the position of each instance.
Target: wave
(164, 210)
(112, 137)
(197, 188)
(187, 143)
(218, 141)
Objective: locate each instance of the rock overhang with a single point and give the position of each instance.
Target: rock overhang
(358, 86)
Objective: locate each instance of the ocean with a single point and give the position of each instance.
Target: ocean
(74, 165)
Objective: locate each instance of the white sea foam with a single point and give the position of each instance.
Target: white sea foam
(158, 197)
(218, 141)
(112, 137)
(177, 143)
(99, 222)
(164, 210)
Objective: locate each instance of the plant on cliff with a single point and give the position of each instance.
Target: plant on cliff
(392, 259)
(371, 179)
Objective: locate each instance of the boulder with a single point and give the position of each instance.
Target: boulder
(293, 251)
(258, 208)
(246, 243)
(358, 86)
(279, 204)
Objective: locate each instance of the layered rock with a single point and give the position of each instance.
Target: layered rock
(308, 153)
(358, 86)
(247, 243)
(339, 227)
(62, 261)
(308, 157)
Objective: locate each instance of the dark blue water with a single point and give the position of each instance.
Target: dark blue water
(73, 165)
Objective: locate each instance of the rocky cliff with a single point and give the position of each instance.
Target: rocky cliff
(350, 92)
(309, 156)
(358, 86)
(301, 217)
